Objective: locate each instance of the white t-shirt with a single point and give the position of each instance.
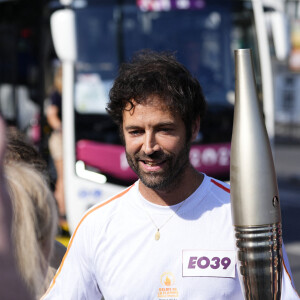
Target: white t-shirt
(113, 251)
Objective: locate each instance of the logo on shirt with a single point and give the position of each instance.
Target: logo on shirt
(168, 290)
(208, 263)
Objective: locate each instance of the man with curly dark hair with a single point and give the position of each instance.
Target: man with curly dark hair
(150, 74)
(169, 235)
(167, 85)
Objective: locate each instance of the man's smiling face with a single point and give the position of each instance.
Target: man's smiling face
(155, 141)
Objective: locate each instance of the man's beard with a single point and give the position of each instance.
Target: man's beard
(166, 179)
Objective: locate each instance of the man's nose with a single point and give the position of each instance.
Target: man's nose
(150, 144)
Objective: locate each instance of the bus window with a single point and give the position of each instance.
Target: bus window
(202, 38)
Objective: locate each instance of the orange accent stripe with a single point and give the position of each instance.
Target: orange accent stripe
(287, 271)
(220, 186)
(290, 277)
(71, 241)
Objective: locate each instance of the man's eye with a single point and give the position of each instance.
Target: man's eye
(165, 129)
(135, 132)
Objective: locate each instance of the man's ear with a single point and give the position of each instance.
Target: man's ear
(195, 129)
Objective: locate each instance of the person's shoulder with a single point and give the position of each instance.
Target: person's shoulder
(96, 219)
(105, 210)
(220, 189)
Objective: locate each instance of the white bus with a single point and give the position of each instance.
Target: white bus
(92, 38)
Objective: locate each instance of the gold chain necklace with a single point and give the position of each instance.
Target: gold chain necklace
(157, 233)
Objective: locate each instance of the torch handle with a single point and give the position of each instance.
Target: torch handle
(259, 260)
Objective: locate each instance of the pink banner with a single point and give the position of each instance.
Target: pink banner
(214, 159)
(166, 5)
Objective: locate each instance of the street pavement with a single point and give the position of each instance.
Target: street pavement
(287, 165)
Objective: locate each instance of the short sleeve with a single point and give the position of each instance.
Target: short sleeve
(75, 277)
(288, 288)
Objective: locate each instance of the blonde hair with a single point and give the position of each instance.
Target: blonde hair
(34, 224)
(57, 82)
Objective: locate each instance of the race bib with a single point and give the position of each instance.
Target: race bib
(208, 263)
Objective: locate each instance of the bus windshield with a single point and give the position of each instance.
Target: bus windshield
(202, 37)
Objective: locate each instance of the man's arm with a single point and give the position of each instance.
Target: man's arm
(288, 287)
(75, 278)
(52, 117)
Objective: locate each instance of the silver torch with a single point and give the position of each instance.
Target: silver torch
(254, 192)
